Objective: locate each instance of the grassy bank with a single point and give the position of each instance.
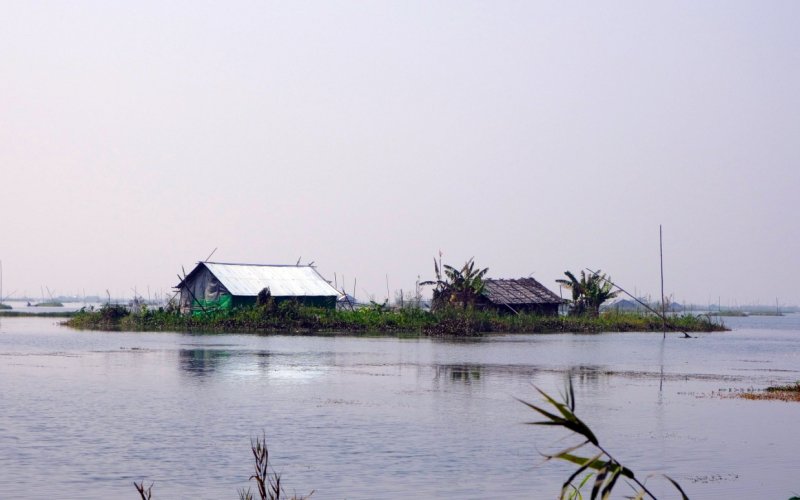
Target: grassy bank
(291, 318)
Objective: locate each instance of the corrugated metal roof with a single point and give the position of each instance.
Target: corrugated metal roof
(283, 281)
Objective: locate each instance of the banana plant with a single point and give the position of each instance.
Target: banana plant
(588, 293)
(457, 287)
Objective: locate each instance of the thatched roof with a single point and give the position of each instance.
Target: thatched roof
(520, 291)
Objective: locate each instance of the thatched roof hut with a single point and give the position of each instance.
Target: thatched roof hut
(519, 295)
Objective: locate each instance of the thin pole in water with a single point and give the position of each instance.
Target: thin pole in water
(661, 258)
(643, 304)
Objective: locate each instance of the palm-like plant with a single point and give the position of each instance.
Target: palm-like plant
(588, 293)
(458, 287)
(599, 290)
(578, 304)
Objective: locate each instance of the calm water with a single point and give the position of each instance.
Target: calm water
(83, 414)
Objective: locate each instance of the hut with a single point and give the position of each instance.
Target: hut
(217, 285)
(519, 295)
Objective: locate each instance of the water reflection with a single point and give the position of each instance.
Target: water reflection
(589, 375)
(208, 363)
(463, 373)
(202, 362)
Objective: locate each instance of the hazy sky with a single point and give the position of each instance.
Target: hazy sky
(135, 137)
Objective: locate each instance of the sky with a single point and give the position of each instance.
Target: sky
(536, 137)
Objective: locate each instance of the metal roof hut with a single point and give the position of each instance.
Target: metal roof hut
(519, 295)
(216, 285)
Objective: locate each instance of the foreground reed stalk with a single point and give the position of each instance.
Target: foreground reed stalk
(145, 492)
(608, 469)
(268, 483)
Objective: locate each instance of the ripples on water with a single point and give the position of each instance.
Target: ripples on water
(83, 414)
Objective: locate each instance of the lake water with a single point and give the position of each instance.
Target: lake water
(84, 414)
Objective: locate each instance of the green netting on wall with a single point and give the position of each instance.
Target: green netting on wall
(201, 306)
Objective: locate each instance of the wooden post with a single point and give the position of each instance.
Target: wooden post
(661, 258)
(646, 306)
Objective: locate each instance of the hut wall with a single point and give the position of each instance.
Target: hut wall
(204, 291)
(310, 301)
(538, 309)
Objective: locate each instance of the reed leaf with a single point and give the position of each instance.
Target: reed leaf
(609, 470)
(567, 451)
(606, 492)
(677, 486)
(587, 464)
(598, 482)
(593, 464)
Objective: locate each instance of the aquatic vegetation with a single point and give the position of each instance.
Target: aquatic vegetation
(268, 483)
(608, 469)
(51, 303)
(146, 492)
(785, 388)
(50, 314)
(291, 317)
(789, 392)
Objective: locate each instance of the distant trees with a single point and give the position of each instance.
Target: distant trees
(588, 293)
(456, 287)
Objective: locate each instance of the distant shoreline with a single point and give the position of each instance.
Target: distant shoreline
(5, 313)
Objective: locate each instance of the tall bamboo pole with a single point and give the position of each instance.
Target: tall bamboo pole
(663, 302)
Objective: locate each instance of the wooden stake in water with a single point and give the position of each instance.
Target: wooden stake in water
(661, 258)
(639, 301)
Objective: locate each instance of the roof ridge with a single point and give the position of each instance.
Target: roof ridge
(259, 265)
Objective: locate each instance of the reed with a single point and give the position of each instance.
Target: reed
(606, 468)
(268, 482)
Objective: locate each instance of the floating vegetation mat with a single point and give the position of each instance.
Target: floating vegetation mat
(786, 393)
(778, 393)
